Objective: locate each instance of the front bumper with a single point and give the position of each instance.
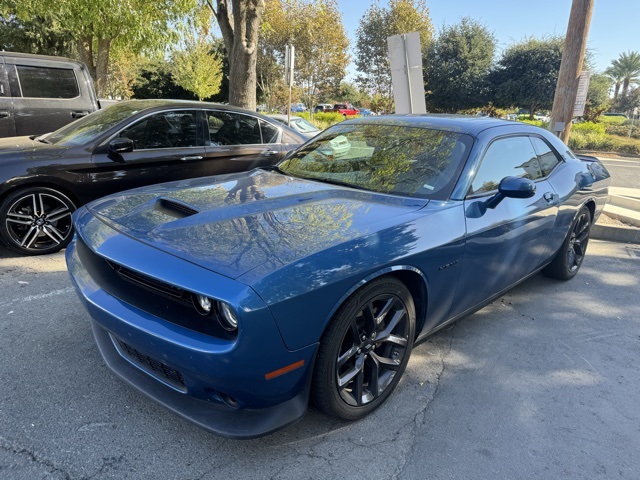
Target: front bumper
(226, 386)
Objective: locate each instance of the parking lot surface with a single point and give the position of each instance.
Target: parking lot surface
(543, 383)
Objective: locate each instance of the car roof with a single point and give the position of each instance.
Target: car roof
(34, 56)
(471, 125)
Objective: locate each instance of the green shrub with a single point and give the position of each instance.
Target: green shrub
(603, 142)
(589, 127)
(624, 130)
(322, 120)
(611, 120)
(537, 123)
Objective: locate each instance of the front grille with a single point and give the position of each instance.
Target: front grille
(159, 298)
(152, 366)
(157, 286)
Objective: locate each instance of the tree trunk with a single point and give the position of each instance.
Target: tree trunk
(85, 50)
(239, 29)
(625, 86)
(102, 65)
(242, 78)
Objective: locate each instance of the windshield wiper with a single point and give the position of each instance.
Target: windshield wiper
(40, 139)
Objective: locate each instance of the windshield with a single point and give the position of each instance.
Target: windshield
(303, 126)
(402, 160)
(90, 127)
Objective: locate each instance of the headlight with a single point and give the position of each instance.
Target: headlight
(228, 319)
(203, 304)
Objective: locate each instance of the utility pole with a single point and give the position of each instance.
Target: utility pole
(575, 44)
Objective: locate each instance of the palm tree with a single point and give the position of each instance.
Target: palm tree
(625, 71)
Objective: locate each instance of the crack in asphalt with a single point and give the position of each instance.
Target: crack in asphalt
(418, 418)
(12, 447)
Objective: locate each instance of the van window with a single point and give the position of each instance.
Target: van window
(45, 82)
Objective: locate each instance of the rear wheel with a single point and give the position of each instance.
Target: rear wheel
(567, 261)
(365, 350)
(36, 221)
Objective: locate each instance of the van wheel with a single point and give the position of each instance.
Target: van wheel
(36, 220)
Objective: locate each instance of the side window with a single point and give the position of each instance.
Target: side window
(546, 157)
(163, 130)
(45, 82)
(269, 132)
(227, 128)
(511, 156)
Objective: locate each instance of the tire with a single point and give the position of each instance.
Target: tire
(36, 220)
(567, 261)
(365, 350)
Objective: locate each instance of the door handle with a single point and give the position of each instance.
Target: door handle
(79, 113)
(269, 153)
(195, 157)
(4, 114)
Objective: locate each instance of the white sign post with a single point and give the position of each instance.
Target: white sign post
(405, 57)
(288, 75)
(581, 97)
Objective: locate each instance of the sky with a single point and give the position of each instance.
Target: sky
(615, 24)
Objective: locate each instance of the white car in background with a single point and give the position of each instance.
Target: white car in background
(300, 125)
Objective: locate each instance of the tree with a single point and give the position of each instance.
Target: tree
(315, 29)
(527, 73)
(597, 97)
(239, 22)
(98, 26)
(371, 58)
(196, 67)
(625, 71)
(34, 34)
(156, 81)
(321, 45)
(628, 102)
(457, 66)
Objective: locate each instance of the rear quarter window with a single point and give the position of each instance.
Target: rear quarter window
(46, 82)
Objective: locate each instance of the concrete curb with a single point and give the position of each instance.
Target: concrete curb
(615, 234)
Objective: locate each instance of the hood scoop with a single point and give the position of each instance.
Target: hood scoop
(175, 208)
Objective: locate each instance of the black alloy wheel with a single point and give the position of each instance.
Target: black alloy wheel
(568, 260)
(36, 221)
(365, 350)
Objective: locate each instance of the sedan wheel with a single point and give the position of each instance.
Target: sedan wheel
(36, 221)
(568, 260)
(365, 350)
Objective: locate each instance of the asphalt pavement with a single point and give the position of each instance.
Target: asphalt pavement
(541, 384)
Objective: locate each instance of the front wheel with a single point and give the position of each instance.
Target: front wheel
(567, 261)
(365, 350)
(36, 220)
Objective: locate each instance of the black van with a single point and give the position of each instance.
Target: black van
(39, 94)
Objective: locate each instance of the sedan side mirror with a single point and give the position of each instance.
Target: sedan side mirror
(120, 145)
(512, 187)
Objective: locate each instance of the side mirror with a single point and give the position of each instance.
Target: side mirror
(512, 187)
(120, 145)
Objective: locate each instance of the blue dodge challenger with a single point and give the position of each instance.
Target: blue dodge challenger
(232, 300)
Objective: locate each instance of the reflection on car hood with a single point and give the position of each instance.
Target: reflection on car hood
(11, 145)
(231, 224)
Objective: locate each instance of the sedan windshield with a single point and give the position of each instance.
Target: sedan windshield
(404, 160)
(88, 128)
(303, 126)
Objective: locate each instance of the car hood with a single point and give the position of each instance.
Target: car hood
(28, 146)
(234, 223)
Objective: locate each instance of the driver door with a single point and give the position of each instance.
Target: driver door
(507, 243)
(167, 146)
